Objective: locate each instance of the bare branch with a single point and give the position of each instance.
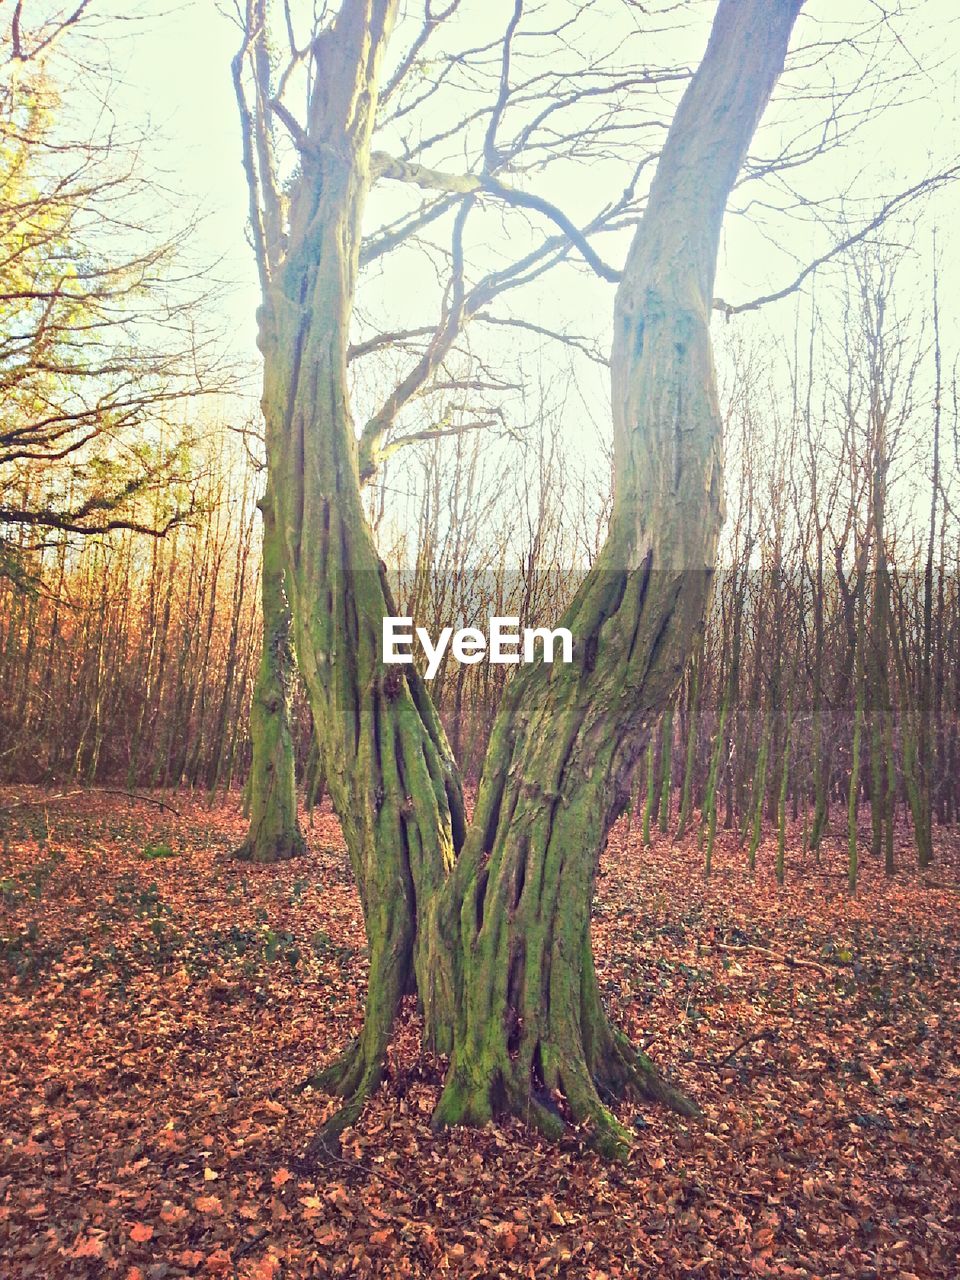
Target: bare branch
(431, 433)
(385, 166)
(891, 207)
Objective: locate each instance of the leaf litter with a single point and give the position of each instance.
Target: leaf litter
(159, 1017)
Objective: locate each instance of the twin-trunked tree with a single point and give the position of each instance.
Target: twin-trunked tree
(489, 922)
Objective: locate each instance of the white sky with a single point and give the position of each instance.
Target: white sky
(176, 71)
(174, 66)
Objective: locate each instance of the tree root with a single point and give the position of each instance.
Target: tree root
(353, 1077)
(648, 1082)
(618, 1068)
(342, 1076)
(280, 850)
(359, 1069)
(561, 1077)
(605, 1133)
(584, 1088)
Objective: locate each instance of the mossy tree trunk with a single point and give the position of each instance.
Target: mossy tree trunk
(496, 941)
(529, 1020)
(666, 769)
(690, 756)
(387, 766)
(649, 793)
(708, 816)
(759, 792)
(274, 833)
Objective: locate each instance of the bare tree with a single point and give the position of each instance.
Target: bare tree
(102, 334)
(496, 939)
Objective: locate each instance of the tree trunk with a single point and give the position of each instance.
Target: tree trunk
(759, 791)
(923, 809)
(852, 804)
(274, 833)
(651, 772)
(690, 757)
(388, 769)
(820, 753)
(529, 1019)
(497, 941)
(666, 769)
(708, 818)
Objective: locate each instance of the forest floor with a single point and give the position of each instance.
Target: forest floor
(160, 1007)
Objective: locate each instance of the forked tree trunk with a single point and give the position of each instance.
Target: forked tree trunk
(497, 940)
(274, 833)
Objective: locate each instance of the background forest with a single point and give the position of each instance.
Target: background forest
(829, 674)
(130, 660)
(645, 965)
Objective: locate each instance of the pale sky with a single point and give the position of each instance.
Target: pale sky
(174, 69)
(175, 65)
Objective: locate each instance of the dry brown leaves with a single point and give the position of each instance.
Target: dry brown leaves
(157, 1016)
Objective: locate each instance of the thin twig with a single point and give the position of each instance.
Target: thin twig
(766, 1034)
(135, 795)
(82, 791)
(247, 1245)
(786, 958)
(37, 804)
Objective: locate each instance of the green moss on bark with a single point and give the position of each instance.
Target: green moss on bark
(274, 833)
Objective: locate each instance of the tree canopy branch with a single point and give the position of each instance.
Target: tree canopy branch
(386, 166)
(892, 206)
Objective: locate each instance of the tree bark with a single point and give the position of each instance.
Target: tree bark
(274, 833)
(497, 940)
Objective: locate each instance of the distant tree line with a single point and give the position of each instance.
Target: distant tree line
(834, 628)
(134, 564)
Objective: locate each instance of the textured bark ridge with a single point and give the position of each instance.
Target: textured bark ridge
(388, 768)
(496, 941)
(530, 1022)
(274, 834)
